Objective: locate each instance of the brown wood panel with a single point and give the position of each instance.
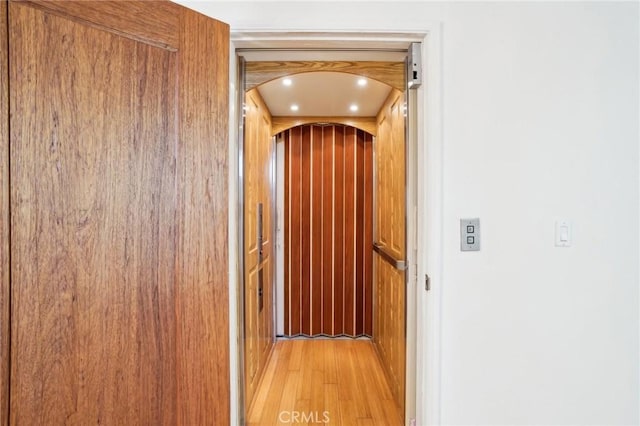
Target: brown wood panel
(295, 226)
(351, 145)
(202, 284)
(156, 23)
(100, 249)
(328, 180)
(334, 228)
(391, 73)
(317, 222)
(287, 229)
(5, 325)
(258, 260)
(339, 241)
(389, 322)
(368, 237)
(305, 310)
(366, 124)
(360, 254)
(118, 214)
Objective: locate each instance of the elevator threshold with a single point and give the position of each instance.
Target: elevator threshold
(324, 381)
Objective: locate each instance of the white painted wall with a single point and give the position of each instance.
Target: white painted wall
(540, 121)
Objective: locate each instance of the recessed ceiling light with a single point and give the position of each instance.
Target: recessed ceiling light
(295, 107)
(353, 107)
(287, 82)
(362, 82)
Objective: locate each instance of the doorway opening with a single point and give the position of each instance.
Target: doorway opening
(410, 252)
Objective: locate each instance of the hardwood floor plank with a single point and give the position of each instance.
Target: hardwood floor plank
(269, 413)
(310, 378)
(288, 400)
(331, 404)
(296, 353)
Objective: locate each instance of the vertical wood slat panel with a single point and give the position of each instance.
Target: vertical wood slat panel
(333, 244)
(4, 218)
(368, 239)
(327, 231)
(287, 228)
(295, 219)
(359, 253)
(317, 222)
(306, 230)
(349, 228)
(339, 239)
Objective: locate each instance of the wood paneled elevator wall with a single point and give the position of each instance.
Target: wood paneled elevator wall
(328, 231)
(258, 240)
(390, 308)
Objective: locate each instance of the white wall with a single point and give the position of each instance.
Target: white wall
(540, 109)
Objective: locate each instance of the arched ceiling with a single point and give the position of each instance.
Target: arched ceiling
(324, 94)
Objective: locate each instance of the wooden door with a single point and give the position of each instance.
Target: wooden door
(5, 294)
(389, 239)
(258, 243)
(118, 168)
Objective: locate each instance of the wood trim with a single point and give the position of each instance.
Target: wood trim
(367, 124)
(5, 325)
(390, 73)
(157, 25)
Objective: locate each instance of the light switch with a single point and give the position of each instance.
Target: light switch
(470, 234)
(563, 233)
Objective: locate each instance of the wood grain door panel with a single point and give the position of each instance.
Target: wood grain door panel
(5, 293)
(118, 214)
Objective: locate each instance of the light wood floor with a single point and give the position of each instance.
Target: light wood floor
(324, 381)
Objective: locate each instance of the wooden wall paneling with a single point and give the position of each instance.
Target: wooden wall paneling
(328, 179)
(258, 170)
(295, 226)
(306, 230)
(287, 230)
(349, 228)
(251, 248)
(399, 179)
(391, 73)
(339, 238)
(5, 325)
(359, 298)
(317, 222)
(368, 238)
(389, 330)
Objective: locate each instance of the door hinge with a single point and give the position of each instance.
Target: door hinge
(427, 282)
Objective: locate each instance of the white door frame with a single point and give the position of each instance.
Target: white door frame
(426, 306)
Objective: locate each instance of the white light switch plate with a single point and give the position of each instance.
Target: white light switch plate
(563, 233)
